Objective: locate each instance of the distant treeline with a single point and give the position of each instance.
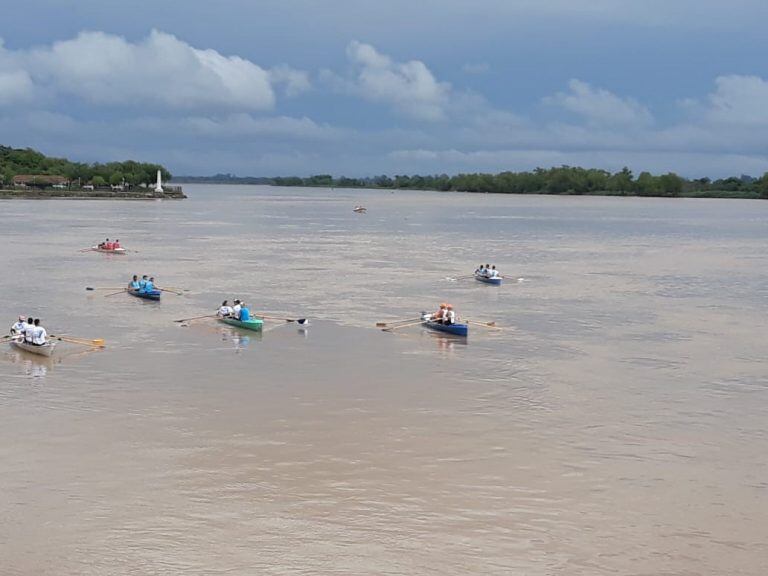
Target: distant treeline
(559, 180)
(15, 161)
(224, 179)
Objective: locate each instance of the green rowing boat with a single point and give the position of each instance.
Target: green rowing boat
(254, 324)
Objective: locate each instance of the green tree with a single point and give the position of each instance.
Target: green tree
(116, 178)
(621, 181)
(670, 184)
(646, 185)
(98, 181)
(762, 186)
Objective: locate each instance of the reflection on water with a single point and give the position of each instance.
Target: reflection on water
(615, 425)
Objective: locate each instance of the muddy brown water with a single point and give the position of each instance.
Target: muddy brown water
(618, 424)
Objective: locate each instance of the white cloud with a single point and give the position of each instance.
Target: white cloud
(409, 87)
(15, 86)
(239, 125)
(738, 100)
(295, 81)
(600, 107)
(160, 70)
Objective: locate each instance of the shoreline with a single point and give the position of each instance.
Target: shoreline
(722, 194)
(87, 195)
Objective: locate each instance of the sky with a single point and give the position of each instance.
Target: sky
(363, 87)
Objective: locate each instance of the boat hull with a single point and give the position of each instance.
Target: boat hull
(254, 324)
(44, 350)
(115, 251)
(486, 280)
(154, 295)
(455, 329)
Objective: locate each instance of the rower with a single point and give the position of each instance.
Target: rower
(134, 284)
(39, 335)
(142, 283)
(116, 244)
(440, 314)
(493, 273)
(245, 313)
(19, 326)
(236, 309)
(450, 315)
(479, 271)
(487, 270)
(29, 331)
(150, 285)
(225, 310)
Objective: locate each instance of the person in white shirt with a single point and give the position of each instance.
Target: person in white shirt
(29, 330)
(40, 336)
(225, 310)
(19, 326)
(487, 270)
(236, 309)
(493, 273)
(450, 315)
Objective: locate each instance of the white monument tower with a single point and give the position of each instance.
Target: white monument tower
(159, 185)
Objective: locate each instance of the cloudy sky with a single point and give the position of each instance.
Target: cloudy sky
(364, 87)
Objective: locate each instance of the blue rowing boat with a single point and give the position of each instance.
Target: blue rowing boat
(153, 295)
(455, 329)
(495, 281)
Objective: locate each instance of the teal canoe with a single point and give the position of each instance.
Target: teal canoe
(254, 324)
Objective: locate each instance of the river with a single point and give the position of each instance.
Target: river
(617, 423)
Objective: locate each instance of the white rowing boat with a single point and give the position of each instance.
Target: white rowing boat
(44, 350)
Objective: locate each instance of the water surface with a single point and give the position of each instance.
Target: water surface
(616, 425)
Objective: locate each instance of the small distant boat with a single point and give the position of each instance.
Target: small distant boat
(495, 281)
(111, 251)
(44, 350)
(455, 329)
(254, 324)
(359, 209)
(153, 295)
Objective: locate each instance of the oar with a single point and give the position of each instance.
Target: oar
(385, 324)
(108, 288)
(297, 320)
(402, 326)
(169, 290)
(491, 324)
(451, 279)
(114, 293)
(85, 250)
(197, 318)
(8, 336)
(96, 342)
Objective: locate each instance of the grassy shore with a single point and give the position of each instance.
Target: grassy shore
(46, 193)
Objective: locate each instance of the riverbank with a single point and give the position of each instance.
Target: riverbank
(736, 194)
(47, 193)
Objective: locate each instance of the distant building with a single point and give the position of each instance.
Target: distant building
(39, 181)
